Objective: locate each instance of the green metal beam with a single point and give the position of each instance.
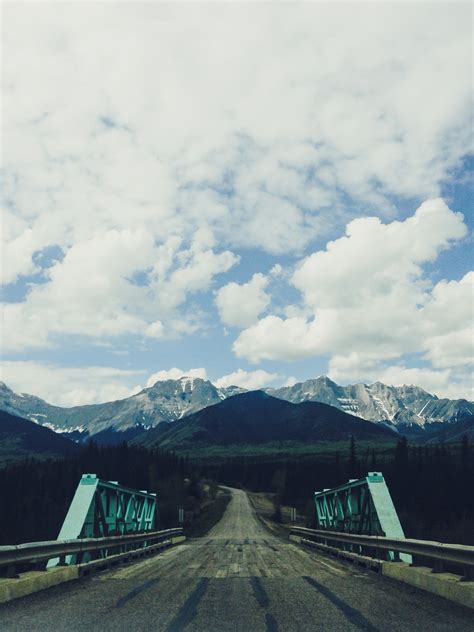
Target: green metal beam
(105, 508)
(363, 506)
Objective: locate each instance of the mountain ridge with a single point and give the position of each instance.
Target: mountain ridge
(166, 400)
(406, 408)
(402, 406)
(258, 419)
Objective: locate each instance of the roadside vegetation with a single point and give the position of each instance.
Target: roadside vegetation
(211, 511)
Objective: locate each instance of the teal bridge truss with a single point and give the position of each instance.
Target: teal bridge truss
(361, 506)
(104, 508)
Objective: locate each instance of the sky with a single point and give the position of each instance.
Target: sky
(251, 193)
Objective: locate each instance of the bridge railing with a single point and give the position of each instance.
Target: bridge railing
(438, 555)
(38, 553)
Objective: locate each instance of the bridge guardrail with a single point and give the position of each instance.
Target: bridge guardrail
(440, 554)
(38, 552)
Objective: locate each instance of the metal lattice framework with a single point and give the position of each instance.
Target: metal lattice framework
(101, 509)
(361, 506)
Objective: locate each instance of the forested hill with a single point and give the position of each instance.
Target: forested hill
(21, 438)
(256, 418)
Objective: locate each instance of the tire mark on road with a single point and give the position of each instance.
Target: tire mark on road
(189, 609)
(271, 623)
(136, 591)
(353, 615)
(261, 596)
(259, 592)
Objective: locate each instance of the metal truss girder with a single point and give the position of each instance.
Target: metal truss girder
(105, 508)
(362, 506)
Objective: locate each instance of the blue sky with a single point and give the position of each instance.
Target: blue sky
(252, 193)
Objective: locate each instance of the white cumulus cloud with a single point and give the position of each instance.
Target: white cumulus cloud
(175, 374)
(69, 386)
(370, 300)
(93, 291)
(178, 118)
(240, 305)
(250, 380)
(443, 383)
(158, 140)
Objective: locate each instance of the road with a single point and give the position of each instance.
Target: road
(239, 577)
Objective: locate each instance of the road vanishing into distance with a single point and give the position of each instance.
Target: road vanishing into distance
(238, 577)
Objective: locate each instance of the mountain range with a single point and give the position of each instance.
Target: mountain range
(407, 409)
(165, 401)
(256, 420)
(404, 407)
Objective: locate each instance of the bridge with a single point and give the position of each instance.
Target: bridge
(241, 576)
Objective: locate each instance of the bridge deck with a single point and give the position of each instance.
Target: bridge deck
(239, 577)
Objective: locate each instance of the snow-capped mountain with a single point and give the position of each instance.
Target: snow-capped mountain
(397, 405)
(408, 408)
(164, 401)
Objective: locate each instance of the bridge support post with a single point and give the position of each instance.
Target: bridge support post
(438, 566)
(11, 571)
(362, 507)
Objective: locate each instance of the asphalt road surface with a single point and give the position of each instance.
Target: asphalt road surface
(238, 578)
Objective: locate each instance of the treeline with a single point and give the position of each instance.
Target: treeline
(35, 495)
(431, 486)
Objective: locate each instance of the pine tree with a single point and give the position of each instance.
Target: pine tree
(352, 459)
(464, 453)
